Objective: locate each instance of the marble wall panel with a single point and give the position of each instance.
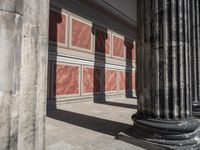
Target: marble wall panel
(133, 81)
(118, 46)
(81, 34)
(122, 80)
(66, 79)
(91, 80)
(110, 80)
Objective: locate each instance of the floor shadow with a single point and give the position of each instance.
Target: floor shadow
(93, 123)
(119, 104)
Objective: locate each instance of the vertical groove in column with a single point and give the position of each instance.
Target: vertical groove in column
(198, 48)
(147, 58)
(170, 87)
(142, 59)
(181, 56)
(155, 59)
(193, 41)
(138, 56)
(174, 58)
(186, 72)
(189, 55)
(161, 57)
(165, 48)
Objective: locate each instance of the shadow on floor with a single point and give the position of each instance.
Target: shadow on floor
(118, 104)
(97, 124)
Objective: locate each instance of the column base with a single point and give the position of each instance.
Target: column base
(196, 109)
(171, 134)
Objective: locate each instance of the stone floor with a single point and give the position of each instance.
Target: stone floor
(90, 126)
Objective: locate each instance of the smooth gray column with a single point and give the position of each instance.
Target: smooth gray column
(23, 75)
(164, 73)
(34, 56)
(10, 53)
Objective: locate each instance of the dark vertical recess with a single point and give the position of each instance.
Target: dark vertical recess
(181, 56)
(138, 63)
(165, 49)
(161, 57)
(53, 33)
(197, 48)
(99, 58)
(185, 53)
(128, 69)
(193, 38)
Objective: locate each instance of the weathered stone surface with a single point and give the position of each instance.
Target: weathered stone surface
(23, 38)
(164, 77)
(33, 74)
(195, 54)
(12, 6)
(10, 39)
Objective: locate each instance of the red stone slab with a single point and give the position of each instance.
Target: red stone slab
(81, 34)
(91, 80)
(66, 79)
(122, 80)
(118, 47)
(110, 80)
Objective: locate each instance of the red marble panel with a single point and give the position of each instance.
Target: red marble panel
(110, 80)
(130, 50)
(118, 46)
(102, 42)
(133, 81)
(57, 26)
(122, 80)
(134, 52)
(66, 80)
(91, 80)
(81, 34)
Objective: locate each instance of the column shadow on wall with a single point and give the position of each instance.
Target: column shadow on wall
(99, 82)
(101, 35)
(128, 71)
(54, 20)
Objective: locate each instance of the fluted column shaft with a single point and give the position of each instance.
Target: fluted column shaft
(163, 58)
(165, 78)
(195, 54)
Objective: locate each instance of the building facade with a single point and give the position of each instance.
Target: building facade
(91, 55)
(87, 50)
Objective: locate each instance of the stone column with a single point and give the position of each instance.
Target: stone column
(195, 54)
(164, 76)
(23, 73)
(10, 53)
